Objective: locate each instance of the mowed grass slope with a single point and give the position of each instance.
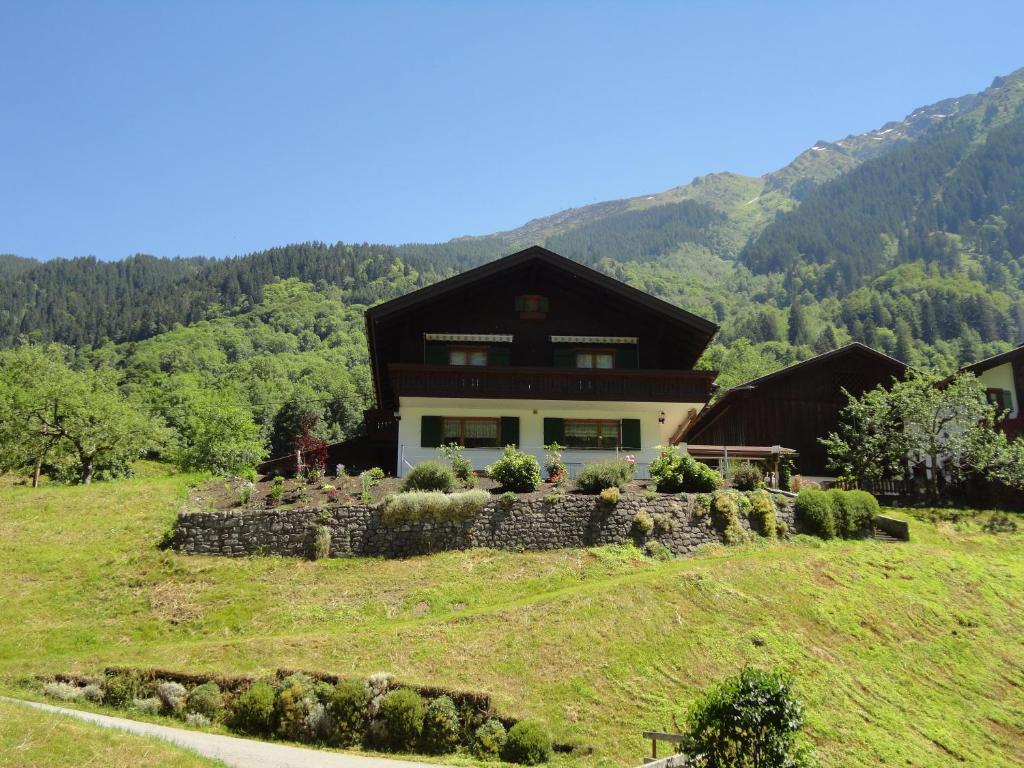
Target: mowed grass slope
(904, 654)
(33, 739)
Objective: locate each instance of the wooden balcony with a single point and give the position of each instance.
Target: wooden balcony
(629, 385)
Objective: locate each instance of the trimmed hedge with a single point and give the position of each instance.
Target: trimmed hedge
(516, 471)
(433, 506)
(528, 743)
(402, 712)
(827, 514)
(441, 727)
(253, 711)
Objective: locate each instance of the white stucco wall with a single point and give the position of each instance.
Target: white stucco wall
(531, 414)
(1001, 377)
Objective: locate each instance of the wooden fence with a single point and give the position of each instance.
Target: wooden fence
(675, 760)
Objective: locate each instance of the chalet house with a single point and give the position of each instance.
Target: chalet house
(1003, 378)
(533, 349)
(796, 406)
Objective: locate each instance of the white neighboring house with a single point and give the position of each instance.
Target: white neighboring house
(1003, 378)
(528, 350)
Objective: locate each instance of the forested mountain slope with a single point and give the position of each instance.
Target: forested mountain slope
(909, 238)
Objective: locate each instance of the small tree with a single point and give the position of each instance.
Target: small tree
(218, 434)
(752, 720)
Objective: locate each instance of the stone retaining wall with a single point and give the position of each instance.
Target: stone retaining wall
(525, 524)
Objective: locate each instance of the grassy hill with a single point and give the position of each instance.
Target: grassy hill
(904, 654)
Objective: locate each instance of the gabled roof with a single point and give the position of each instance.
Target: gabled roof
(994, 360)
(709, 414)
(537, 253)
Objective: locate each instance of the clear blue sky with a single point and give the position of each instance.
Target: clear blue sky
(218, 128)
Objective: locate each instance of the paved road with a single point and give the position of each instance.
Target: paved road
(239, 753)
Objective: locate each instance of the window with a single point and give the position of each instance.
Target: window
(591, 434)
(467, 356)
(595, 358)
(471, 432)
(1000, 398)
(532, 307)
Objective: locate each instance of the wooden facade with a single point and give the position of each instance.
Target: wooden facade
(796, 406)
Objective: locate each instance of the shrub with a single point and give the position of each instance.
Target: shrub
(528, 743)
(245, 489)
(429, 476)
(321, 545)
(461, 466)
(63, 691)
(172, 696)
(610, 495)
(596, 477)
(507, 498)
(643, 523)
(347, 705)
(441, 726)
(198, 719)
(785, 472)
(147, 706)
(277, 488)
(675, 472)
(797, 484)
(813, 512)
(858, 518)
(253, 711)
(292, 706)
(374, 476)
(433, 506)
(516, 470)
(657, 551)
(749, 721)
(489, 740)
(781, 528)
(93, 692)
(747, 477)
(726, 516)
(206, 700)
(402, 712)
(120, 688)
(664, 523)
(763, 513)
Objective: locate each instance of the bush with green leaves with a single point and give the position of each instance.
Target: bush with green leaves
(725, 514)
(433, 507)
(461, 466)
(676, 472)
(516, 470)
(121, 687)
(429, 476)
(747, 477)
(321, 544)
(347, 705)
(63, 691)
(253, 710)
(752, 720)
(441, 726)
(296, 700)
(277, 488)
(763, 515)
(595, 477)
(206, 700)
(489, 740)
(554, 465)
(664, 523)
(854, 513)
(643, 523)
(610, 496)
(655, 550)
(528, 743)
(402, 712)
(813, 512)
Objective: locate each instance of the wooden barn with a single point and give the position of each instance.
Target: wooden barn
(796, 406)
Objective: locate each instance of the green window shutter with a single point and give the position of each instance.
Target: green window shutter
(510, 430)
(565, 357)
(1008, 399)
(430, 431)
(625, 357)
(436, 353)
(554, 431)
(499, 356)
(631, 434)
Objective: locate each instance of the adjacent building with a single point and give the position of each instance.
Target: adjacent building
(795, 406)
(1003, 378)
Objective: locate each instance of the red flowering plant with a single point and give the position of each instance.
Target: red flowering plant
(555, 468)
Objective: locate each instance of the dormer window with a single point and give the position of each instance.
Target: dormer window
(531, 306)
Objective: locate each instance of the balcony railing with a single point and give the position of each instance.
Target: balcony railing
(551, 383)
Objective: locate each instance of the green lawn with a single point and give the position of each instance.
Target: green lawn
(904, 654)
(33, 739)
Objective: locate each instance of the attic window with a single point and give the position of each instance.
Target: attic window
(530, 306)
